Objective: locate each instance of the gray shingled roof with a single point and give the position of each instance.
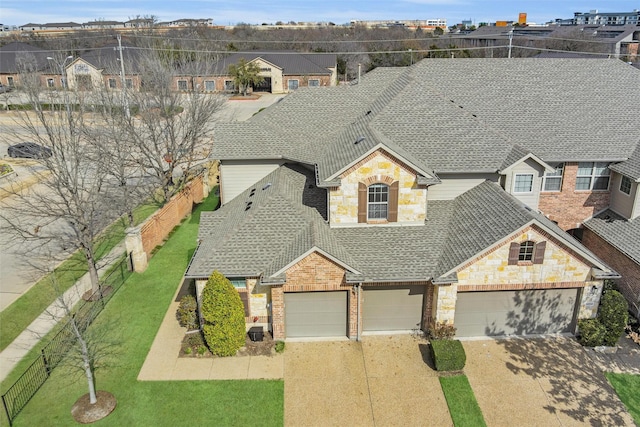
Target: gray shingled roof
(461, 115)
(12, 53)
(288, 219)
(619, 232)
(292, 63)
(108, 58)
(630, 167)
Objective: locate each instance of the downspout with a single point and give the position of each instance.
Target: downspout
(358, 331)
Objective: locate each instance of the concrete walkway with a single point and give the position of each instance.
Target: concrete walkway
(44, 323)
(163, 364)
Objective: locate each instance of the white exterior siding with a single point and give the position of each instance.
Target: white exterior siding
(623, 203)
(453, 185)
(238, 175)
(528, 167)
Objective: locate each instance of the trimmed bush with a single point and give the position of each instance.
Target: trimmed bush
(279, 346)
(613, 314)
(448, 355)
(187, 313)
(223, 314)
(592, 332)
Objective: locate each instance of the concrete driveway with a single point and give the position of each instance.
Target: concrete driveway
(382, 381)
(540, 382)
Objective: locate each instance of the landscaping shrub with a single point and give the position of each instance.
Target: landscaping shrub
(441, 331)
(188, 312)
(195, 340)
(223, 314)
(279, 346)
(592, 332)
(613, 314)
(448, 355)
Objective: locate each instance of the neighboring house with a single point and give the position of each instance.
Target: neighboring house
(412, 198)
(282, 72)
(615, 233)
(101, 68)
(17, 57)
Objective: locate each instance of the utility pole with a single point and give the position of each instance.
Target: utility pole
(510, 41)
(125, 103)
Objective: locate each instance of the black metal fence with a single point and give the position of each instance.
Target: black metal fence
(21, 392)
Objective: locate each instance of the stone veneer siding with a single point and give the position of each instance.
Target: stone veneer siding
(315, 272)
(491, 272)
(629, 284)
(568, 207)
(378, 167)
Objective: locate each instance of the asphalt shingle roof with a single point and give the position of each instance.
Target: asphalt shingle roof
(464, 115)
(288, 219)
(630, 167)
(619, 232)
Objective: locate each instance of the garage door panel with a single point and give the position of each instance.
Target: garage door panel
(315, 314)
(527, 312)
(392, 308)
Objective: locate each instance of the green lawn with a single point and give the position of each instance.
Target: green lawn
(628, 388)
(132, 318)
(15, 318)
(461, 401)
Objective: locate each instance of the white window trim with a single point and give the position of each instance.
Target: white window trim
(553, 177)
(593, 177)
(185, 83)
(622, 178)
(388, 190)
(289, 84)
(313, 80)
(515, 180)
(229, 81)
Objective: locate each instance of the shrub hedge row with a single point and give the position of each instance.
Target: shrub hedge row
(448, 355)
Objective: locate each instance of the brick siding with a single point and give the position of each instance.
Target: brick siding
(569, 208)
(629, 284)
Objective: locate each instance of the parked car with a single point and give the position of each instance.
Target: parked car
(29, 150)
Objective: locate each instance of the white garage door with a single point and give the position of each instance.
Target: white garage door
(528, 312)
(392, 308)
(315, 314)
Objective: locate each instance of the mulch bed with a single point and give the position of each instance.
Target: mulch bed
(86, 413)
(266, 347)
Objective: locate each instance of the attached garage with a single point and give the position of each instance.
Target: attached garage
(529, 312)
(392, 308)
(315, 314)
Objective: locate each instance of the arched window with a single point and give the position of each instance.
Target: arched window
(378, 201)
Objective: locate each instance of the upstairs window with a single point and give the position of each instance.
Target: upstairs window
(552, 181)
(625, 185)
(592, 176)
(528, 252)
(523, 183)
(378, 204)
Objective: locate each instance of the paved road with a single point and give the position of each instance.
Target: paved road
(17, 274)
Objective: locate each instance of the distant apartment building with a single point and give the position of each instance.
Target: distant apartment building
(594, 17)
(413, 24)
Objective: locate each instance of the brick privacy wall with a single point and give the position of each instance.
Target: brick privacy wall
(156, 228)
(569, 208)
(629, 284)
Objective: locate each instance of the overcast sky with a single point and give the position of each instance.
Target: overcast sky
(229, 12)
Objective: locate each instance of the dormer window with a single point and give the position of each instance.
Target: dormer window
(378, 202)
(527, 253)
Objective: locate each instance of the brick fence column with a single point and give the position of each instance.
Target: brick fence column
(135, 249)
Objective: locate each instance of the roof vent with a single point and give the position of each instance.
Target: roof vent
(246, 208)
(367, 113)
(359, 140)
(253, 191)
(267, 185)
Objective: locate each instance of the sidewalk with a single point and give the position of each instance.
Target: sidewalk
(19, 348)
(163, 364)
(624, 358)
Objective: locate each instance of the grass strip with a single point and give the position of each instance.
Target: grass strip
(131, 319)
(18, 316)
(627, 387)
(461, 401)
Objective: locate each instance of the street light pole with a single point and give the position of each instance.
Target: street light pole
(63, 71)
(125, 102)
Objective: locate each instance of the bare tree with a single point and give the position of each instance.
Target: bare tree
(172, 130)
(75, 198)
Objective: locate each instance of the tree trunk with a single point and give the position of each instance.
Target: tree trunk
(93, 271)
(86, 361)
